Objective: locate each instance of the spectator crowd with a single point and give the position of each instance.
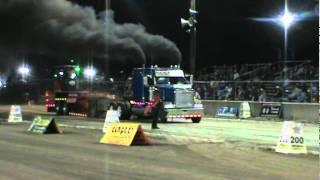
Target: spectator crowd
(291, 82)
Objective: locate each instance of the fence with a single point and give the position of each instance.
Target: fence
(308, 112)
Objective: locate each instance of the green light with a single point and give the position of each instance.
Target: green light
(77, 69)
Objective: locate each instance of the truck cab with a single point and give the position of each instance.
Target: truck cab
(175, 90)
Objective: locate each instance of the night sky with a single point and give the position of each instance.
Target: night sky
(227, 33)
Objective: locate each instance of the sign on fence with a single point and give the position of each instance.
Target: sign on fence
(227, 111)
(271, 110)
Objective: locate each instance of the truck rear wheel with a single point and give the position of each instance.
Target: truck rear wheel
(112, 106)
(196, 120)
(124, 111)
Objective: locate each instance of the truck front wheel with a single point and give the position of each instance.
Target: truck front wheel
(196, 120)
(164, 119)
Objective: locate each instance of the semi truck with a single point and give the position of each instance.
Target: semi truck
(175, 91)
(174, 85)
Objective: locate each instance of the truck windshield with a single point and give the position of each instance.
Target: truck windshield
(172, 80)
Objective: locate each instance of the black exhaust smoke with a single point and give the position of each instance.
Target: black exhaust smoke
(52, 27)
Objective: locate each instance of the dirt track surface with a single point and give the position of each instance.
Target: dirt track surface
(209, 130)
(76, 154)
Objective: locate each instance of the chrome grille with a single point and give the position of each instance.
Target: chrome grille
(184, 98)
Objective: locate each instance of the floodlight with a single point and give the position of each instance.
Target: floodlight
(90, 72)
(287, 19)
(24, 70)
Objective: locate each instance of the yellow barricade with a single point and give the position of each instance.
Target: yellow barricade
(125, 134)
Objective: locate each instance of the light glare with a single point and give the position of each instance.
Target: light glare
(287, 19)
(24, 70)
(90, 72)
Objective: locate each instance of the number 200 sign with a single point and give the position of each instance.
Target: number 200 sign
(296, 140)
(292, 140)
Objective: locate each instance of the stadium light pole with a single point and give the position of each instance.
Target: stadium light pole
(90, 73)
(192, 30)
(24, 71)
(287, 19)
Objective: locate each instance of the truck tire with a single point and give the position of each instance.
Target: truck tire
(124, 111)
(92, 108)
(92, 112)
(65, 109)
(62, 108)
(196, 120)
(59, 107)
(112, 106)
(163, 116)
(164, 119)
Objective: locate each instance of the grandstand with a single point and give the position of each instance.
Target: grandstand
(292, 81)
